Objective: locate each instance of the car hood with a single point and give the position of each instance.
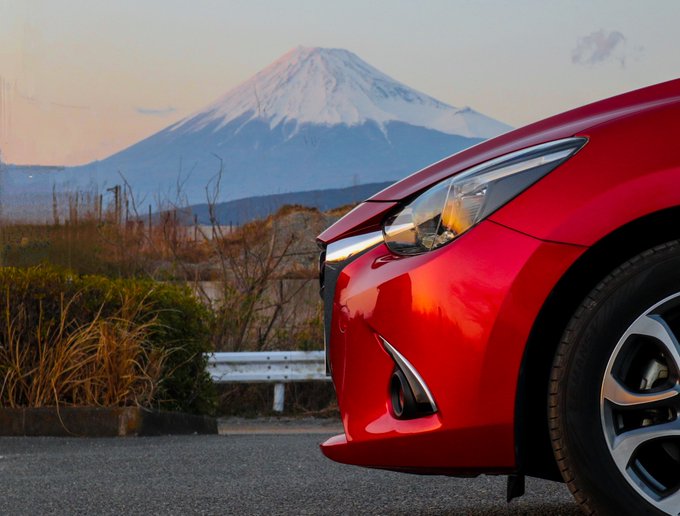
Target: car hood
(570, 123)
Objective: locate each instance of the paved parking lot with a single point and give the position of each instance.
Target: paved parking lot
(237, 473)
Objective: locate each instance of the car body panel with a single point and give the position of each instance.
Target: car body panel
(469, 306)
(606, 185)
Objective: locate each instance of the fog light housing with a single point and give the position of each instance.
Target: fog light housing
(409, 394)
(403, 401)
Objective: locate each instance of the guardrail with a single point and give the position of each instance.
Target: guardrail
(277, 367)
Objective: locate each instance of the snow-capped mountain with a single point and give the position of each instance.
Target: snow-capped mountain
(314, 119)
(331, 87)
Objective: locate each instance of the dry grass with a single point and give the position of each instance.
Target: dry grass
(106, 362)
(260, 280)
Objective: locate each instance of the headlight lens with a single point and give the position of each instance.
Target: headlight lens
(451, 207)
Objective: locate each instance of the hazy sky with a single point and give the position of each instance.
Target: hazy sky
(81, 79)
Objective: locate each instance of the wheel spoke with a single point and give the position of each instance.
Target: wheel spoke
(671, 503)
(654, 326)
(624, 445)
(620, 395)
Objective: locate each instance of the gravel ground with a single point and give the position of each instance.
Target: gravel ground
(235, 474)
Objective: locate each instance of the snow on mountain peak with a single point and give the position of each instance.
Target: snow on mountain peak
(330, 86)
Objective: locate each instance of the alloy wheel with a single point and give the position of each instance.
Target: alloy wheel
(640, 402)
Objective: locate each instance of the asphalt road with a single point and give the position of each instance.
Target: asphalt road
(236, 473)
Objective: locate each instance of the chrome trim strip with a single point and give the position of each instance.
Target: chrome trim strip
(420, 390)
(347, 247)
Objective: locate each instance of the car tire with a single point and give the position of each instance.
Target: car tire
(614, 400)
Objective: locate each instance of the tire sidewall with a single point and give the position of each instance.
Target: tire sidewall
(588, 344)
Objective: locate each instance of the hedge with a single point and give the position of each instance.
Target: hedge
(179, 322)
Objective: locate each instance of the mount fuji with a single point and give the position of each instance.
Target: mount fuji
(314, 119)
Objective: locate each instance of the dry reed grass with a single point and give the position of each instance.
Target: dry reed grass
(107, 362)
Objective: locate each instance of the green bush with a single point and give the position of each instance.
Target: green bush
(34, 299)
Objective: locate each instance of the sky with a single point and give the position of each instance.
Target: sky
(82, 79)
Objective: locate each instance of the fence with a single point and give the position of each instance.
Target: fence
(277, 367)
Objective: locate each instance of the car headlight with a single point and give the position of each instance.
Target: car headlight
(451, 207)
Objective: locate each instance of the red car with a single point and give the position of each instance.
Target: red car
(515, 309)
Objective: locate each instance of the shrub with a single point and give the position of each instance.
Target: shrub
(94, 340)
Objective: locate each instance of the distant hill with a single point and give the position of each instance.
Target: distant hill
(244, 210)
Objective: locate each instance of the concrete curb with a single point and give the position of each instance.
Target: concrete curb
(100, 422)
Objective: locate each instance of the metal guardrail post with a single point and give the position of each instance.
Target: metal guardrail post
(279, 395)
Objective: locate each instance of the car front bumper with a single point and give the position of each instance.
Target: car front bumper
(461, 315)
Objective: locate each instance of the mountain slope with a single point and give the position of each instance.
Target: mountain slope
(314, 119)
